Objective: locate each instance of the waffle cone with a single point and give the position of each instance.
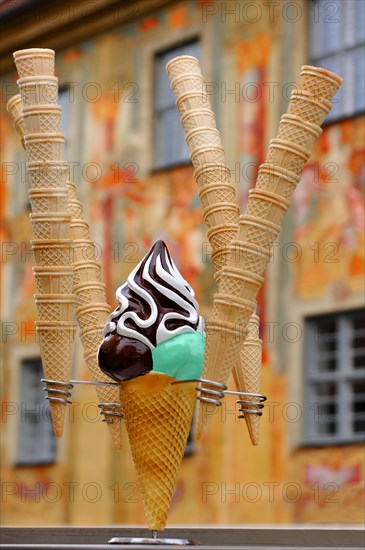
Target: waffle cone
(158, 417)
(221, 213)
(56, 344)
(196, 118)
(320, 83)
(277, 180)
(34, 62)
(54, 279)
(213, 193)
(247, 375)
(303, 105)
(267, 206)
(223, 341)
(296, 130)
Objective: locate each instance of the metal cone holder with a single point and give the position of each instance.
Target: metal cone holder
(62, 396)
(213, 395)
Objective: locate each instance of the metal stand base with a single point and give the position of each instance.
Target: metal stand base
(154, 541)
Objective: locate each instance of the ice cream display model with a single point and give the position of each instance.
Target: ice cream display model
(154, 358)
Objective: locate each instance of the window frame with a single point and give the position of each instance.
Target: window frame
(341, 54)
(180, 44)
(345, 374)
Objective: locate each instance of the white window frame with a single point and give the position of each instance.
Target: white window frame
(341, 377)
(332, 22)
(147, 82)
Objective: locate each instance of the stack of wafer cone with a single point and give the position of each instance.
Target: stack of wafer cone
(92, 312)
(218, 196)
(266, 207)
(35, 120)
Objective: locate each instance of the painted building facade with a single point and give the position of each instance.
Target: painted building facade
(305, 469)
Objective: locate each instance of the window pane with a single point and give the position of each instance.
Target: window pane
(36, 440)
(326, 395)
(358, 343)
(169, 140)
(358, 407)
(326, 345)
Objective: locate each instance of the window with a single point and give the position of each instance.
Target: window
(36, 439)
(335, 378)
(337, 43)
(169, 144)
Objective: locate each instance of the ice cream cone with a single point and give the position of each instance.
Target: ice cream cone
(247, 375)
(184, 64)
(54, 280)
(56, 344)
(257, 230)
(158, 417)
(71, 189)
(303, 105)
(108, 396)
(14, 106)
(220, 235)
(202, 137)
(41, 119)
(79, 230)
(276, 179)
(38, 90)
(191, 101)
(320, 83)
(287, 154)
(34, 62)
(208, 155)
(248, 256)
(236, 282)
(83, 250)
(90, 293)
(75, 209)
(87, 271)
(49, 174)
(217, 193)
(55, 307)
(196, 118)
(92, 314)
(53, 252)
(49, 225)
(91, 336)
(44, 147)
(212, 173)
(188, 82)
(221, 213)
(298, 131)
(48, 200)
(220, 257)
(267, 206)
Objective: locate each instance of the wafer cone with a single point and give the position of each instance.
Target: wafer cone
(158, 417)
(217, 193)
(257, 230)
(55, 307)
(320, 83)
(276, 179)
(184, 64)
(196, 118)
(38, 90)
(15, 107)
(51, 225)
(267, 206)
(54, 279)
(56, 343)
(247, 376)
(40, 119)
(48, 200)
(298, 131)
(202, 137)
(303, 105)
(92, 311)
(55, 252)
(221, 213)
(44, 147)
(48, 174)
(287, 154)
(34, 62)
(188, 82)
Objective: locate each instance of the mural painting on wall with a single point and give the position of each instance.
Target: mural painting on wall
(328, 209)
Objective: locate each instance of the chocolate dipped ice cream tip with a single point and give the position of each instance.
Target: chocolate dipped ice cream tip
(156, 326)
